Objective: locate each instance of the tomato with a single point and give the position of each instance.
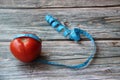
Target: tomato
(26, 49)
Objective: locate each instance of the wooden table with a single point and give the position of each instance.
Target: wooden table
(99, 17)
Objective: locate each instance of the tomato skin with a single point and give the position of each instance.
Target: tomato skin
(25, 49)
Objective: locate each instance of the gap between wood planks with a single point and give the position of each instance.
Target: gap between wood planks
(57, 4)
(59, 7)
(83, 39)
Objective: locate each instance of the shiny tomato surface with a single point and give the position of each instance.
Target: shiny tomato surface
(25, 49)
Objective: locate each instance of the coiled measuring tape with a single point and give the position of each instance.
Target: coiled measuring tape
(73, 35)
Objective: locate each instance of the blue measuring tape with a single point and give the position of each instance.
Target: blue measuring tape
(71, 34)
(28, 35)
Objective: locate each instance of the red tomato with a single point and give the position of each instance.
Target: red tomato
(25, 49)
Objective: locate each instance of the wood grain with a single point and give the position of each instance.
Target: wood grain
(56, 3)
(40, 71)
(101, 18)
(105, 64)
(63, 50)
(100, 22)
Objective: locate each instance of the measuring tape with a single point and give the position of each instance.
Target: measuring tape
(72, 35)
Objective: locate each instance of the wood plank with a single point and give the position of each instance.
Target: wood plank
(63, 50)
(56, 3)
(104, 66)
(40, 71)
(100, 22)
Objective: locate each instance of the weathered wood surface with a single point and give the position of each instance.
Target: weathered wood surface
(101, 18)
(104, 66)
(62, 50)
(100, 22)
(57, 3)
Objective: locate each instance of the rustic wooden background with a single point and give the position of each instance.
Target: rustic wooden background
(101, 18)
